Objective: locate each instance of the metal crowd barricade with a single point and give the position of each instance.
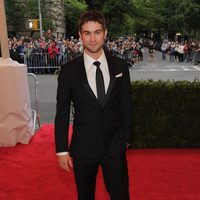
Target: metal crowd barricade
(194, 57)
(130, 58)
(197, 58)
(191, 55)
(35, 111)
(43, 63)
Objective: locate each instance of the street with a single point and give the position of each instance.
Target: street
(146, 69)
(159, 69)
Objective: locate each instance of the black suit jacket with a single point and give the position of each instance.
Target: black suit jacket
(96, 129)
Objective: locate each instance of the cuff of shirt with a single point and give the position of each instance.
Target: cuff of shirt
(62, 153)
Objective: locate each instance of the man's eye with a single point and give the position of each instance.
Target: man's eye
(98, 32)
(87, 33)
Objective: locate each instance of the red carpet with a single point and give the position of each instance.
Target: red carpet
(30, 172)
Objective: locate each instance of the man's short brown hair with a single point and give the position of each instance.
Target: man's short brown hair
(91, 15)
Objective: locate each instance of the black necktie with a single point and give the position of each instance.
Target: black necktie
(99, 83)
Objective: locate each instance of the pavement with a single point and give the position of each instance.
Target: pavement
(147, 69)
(159, 69)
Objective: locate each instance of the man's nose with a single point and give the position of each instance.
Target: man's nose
(92, 38)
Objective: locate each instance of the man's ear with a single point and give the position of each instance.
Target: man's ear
(105, 34)
(80, 36)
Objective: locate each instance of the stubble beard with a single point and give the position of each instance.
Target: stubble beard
(94, 50)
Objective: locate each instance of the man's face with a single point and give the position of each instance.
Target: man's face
(92, 36)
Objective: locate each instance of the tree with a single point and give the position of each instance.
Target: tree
(18, 14)
(192, 16)
(149, 17)
(97, 4)
(14, 14)
(167, 16)
(117, 14)
(73, 9)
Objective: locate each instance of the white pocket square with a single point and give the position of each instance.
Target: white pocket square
(118, 75)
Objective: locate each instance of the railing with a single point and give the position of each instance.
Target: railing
(44, 63)
(130, 58)
(194, 57)
(39, 63)
(34, 105)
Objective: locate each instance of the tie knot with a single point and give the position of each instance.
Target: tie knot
(97, 63)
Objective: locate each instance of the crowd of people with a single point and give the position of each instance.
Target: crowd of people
(41, 55)
(178, 51)
(126, 48)
(45, 56)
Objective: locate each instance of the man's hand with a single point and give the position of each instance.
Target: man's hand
(65, 162)
(128, 145)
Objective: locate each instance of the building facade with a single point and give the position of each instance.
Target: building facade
(54, 11)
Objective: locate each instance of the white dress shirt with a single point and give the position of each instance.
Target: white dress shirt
(91, 75)
(91, 71)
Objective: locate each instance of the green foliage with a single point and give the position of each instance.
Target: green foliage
(18, 14)
(168, 16)
(166, 114)
(149, 16)
(73, 9)
(97, 4)
(192, 16)
(14, 15)
(123, 17)
(115, 11)
(31, 9)
(117, 14)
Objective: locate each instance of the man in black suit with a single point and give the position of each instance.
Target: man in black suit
(99, 87)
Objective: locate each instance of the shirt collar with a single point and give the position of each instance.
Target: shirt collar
(88, 60)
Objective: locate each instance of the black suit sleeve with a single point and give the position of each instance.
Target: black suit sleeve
(62, 111)
(127, 107)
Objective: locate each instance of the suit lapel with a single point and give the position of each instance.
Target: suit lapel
(111, 68)
(85, 80)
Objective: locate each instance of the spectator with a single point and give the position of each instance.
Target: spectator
(53, 51)
(164, 48)
(172, 51)
(151, 50)
(176, 51)
(186, 52)
(181, 52)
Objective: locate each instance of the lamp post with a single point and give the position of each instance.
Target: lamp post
(40, 17)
